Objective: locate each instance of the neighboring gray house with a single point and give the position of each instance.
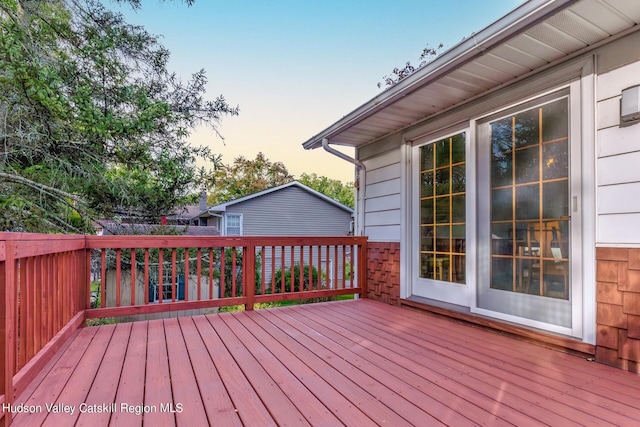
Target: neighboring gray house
(291, 209)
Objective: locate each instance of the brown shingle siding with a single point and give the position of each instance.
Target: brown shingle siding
(618, 312)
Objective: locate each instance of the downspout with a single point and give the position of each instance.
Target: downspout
(360, 167)
(357, 184)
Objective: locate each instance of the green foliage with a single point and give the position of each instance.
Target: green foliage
(334, 188)
(316, 281)
(428, 54)
(92, 123)
(245, 177)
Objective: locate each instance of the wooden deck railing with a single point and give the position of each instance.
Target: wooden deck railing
(50, 284)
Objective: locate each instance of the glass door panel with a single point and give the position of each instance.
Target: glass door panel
(526, 269)
(441, 209)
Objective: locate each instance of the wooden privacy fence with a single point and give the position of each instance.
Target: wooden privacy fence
(50, 284)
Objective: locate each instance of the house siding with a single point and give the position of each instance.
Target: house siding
(291, 211)
(382, 213)
(618, 154)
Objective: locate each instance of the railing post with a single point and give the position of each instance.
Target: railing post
(249, 273)
(7, 327)
(363, 260)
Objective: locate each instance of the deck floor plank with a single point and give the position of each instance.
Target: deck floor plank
(468, 371)
(77, 388)
(131, 381)
(353, 363)
(389, 393)
(562, 391)
(269, 355)
(217, 403)
(104, 389)
(157, 384)
(248, 404)
(279, 404)
(316, 387)
(438, 401)
(439, 392)
(186, 402)
(52, 385)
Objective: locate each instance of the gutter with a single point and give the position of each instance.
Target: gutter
(358, 229)
(517, 21)
(358, 163)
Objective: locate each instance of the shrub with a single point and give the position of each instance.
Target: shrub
(316, 279)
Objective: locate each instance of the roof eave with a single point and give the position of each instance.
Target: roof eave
(515, 22)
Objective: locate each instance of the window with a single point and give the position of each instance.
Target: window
(233, 225)
(442, 210)
(167, 288)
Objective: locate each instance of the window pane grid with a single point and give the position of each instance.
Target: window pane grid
(442, 210)
(529, 201)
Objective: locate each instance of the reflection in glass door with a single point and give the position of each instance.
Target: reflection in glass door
(525, 219)
(530, 202)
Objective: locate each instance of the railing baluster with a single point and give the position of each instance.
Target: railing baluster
(282, 270)
(174, 273)
(234, 270)
(133, 277)
(160, 284)
(292, 270)
(211, 264)
(103, 278)
(263, 283)
(223, 282)
(118, 275)
(199, 273)
(186, 275)
(273, 270)
(146, 276)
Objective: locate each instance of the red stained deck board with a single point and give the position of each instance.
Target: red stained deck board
(105, 386)
(77, 388)
(397, 347)
(353, 363)
(216, 400)
(131, 384)
(50, 388)
(566, 387)
(186, 395)
(277, 362)
(338, 351)
(500, 375)
(373, 398)
(281, 408)
(157, 384)
(249, 407)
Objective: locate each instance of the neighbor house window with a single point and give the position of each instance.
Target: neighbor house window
(233, 225)
(442, 210)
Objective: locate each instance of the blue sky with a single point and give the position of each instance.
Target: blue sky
(296, 67)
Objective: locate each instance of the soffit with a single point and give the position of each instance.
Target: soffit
(574, 28)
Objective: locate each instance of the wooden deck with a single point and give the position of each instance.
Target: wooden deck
(351, 363)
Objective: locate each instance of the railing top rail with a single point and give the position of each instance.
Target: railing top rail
(12, 236)
(141, 241)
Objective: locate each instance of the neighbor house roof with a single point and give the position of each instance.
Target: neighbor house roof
(536, 35)
(223, 206)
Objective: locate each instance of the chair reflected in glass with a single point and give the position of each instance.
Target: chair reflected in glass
(542, 262)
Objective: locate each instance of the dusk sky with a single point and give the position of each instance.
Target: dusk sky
(294, 67)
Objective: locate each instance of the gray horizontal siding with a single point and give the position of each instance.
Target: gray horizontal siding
(291, 211)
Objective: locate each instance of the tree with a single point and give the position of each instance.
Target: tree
(336, 189)
(397, 74)
(245, 177)
(92, 122)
